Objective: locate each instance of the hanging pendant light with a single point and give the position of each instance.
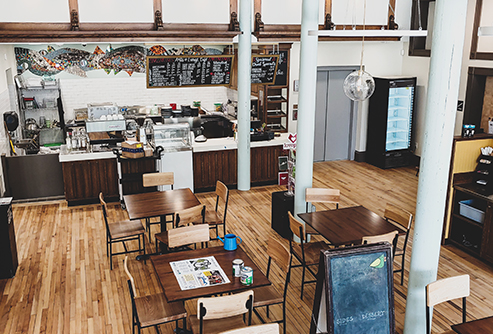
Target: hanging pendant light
(359, 85)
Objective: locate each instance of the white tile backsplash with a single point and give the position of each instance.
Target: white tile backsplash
(77, 93)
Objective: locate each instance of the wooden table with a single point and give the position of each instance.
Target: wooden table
(349, 225)
(172, 289)
(483, 326)
(159, 203)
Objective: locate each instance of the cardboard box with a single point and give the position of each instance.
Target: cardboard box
(132, 149)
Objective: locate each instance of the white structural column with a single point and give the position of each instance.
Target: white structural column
(306, 103)
(244, 92)
(441, 105)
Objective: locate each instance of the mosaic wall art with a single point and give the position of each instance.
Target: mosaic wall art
(78, 62)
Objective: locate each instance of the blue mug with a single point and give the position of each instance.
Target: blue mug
(229, 242)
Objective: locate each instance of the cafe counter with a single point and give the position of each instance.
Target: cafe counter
(85, 175)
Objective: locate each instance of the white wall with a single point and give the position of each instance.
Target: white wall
(77, 93)
(380, 59)
(7, 61)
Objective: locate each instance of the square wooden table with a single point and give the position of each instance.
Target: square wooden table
(225, 258)
(483, 326)
(348, 225)
(159, 203)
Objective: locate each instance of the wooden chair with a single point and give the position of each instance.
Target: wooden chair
(184, 236)
(308, 254)
(154, 180)
(183, 218)
(390, 237)
(444, 290)
(122, 231)
(268, 295)
(216, 218)
(257, 329)
(403, 219)
(153, 310)
(321, 195)
(219, 314)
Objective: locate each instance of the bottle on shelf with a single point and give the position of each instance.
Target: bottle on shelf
(68, 140)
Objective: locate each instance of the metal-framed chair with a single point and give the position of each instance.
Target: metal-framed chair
(268, 295)
(223, 313)
(215, 217)
(444, 290)
(155, 180)
(307, 253)
(122, 231)
(403, 219)
(152, 310)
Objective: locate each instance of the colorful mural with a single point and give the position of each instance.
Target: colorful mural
(129, 59)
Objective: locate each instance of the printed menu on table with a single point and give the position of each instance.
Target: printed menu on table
(198, 273)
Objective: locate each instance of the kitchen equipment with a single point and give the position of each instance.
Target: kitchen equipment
(230, 241)
(11, 120)
(31, 124)
(96, 110)
(390, 122)
(176, 156)
(166, 112)
(105, 125)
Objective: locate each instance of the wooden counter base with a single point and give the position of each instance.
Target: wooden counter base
(208, 167)
(84, 180)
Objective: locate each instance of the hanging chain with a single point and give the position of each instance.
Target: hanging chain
(363, 39)
(419, 15)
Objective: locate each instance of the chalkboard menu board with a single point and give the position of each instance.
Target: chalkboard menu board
(264, 68)
(282, 68)
(355, 293)
(182, 71)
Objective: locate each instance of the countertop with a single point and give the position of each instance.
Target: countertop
(214, 144)
(217, 144)
(86, 156)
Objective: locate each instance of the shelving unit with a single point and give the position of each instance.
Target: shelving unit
(37, 103)
(471, 222)
(274, 99)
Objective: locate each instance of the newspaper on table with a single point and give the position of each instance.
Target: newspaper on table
(198, 273)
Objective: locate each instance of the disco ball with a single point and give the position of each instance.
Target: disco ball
(359, 85)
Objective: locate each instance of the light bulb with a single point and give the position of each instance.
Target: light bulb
(359, 85)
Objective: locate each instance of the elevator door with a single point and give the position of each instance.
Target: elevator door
(335, 119)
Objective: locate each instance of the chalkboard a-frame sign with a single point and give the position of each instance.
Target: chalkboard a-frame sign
(355, 291)
(183, 71)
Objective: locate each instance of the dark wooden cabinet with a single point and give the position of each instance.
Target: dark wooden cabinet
(84, 180)
(471, 227)
(132, 170)
(208, 167)
(8, 247)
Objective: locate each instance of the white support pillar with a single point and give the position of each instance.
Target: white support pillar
(244, 94)
(443, 89)
(306, 103)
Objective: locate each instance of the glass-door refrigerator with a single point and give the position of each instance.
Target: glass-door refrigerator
(390, 121)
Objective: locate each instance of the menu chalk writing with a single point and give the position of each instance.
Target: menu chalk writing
(355, 294)
(182, 71)
(264, 68)
(282, 68)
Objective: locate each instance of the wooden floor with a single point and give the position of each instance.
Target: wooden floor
(64, 283)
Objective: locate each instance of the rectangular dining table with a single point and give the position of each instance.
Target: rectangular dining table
(348, 226)
(159, 203)
(225, 258)
(483, 326)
